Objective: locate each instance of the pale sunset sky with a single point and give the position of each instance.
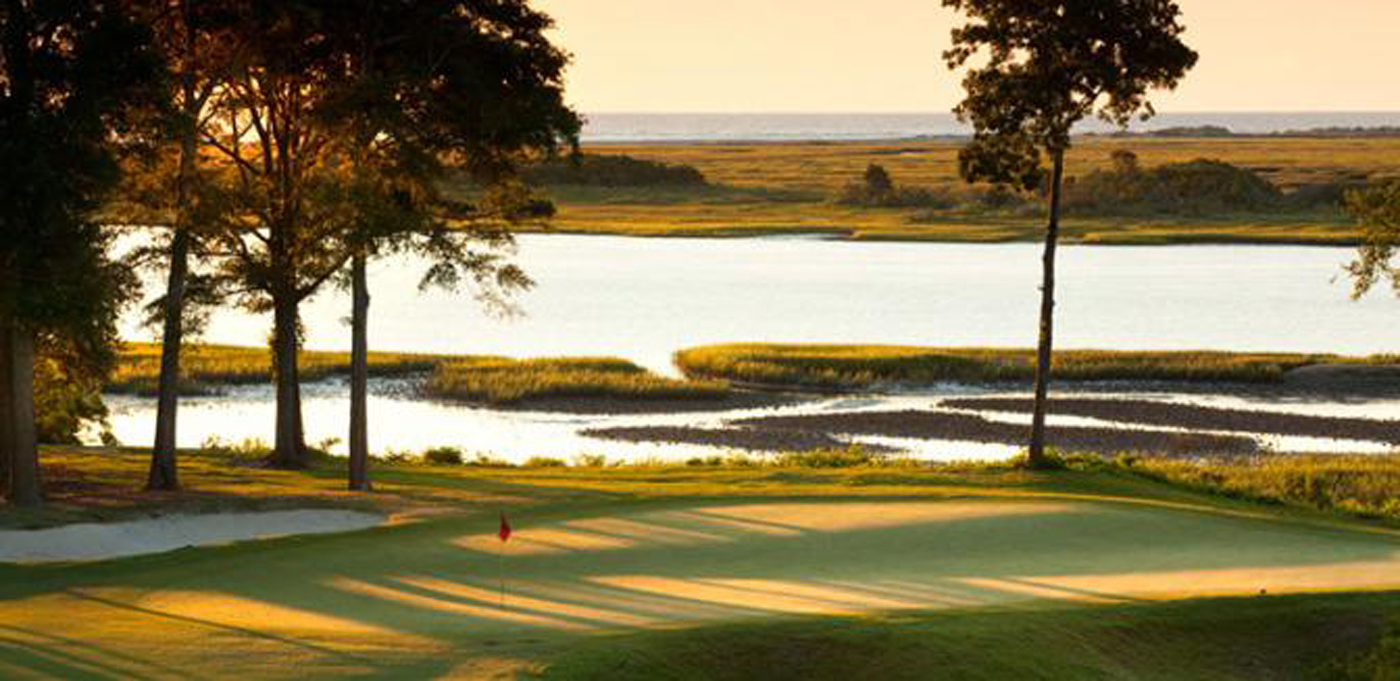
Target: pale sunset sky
(884, 55)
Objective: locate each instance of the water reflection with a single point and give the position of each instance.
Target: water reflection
(645, 298)
(401, 421)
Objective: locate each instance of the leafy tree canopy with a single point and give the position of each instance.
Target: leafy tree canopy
(1377, 208)
(1047, 65)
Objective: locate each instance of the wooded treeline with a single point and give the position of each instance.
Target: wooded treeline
(278, 146)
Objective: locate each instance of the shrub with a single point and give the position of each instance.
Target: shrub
(591, 461)
(248, 449)
(1192, 188)
(396, 456)
(545, 462)
(1320, 195)
(854, 456)
(1193, 131)
(488, 461)
(67, 398)
(443, 456)
(613, 171)
(877, 189)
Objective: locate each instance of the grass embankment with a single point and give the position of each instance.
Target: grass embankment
(785, 188)
(850, 367)
(942, 570)
(206, 367)
(476, 378)
(1324, 638)
(511, 382)
(1365, 486)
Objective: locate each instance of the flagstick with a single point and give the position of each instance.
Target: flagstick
(501, 572)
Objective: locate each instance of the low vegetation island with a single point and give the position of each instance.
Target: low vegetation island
(864, 367)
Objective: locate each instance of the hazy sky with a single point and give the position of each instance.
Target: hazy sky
(884, 55)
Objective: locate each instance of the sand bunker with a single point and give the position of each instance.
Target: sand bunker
(100, 541)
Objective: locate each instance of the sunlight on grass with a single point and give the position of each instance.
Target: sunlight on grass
(785, 188)
(506, 381)
(484, 611)
(206, 367)
(865, 366)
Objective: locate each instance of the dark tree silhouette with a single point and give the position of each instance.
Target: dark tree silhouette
(199, 44)
(431, 86)
(1049, 65)
(70, 74)
(336, 123)
(877, 181)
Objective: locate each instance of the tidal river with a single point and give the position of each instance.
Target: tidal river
(643, 299)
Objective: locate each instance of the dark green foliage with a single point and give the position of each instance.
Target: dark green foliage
(1196, 131)
(1197, 187)
(1328, 195)
(608, 170)
(443, 456)
(67, 397)
(72, 74)
(1377, 208)
(61, 104)
(1379, 664)
(1051, 64)
(878, 190)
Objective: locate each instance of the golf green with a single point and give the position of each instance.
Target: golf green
(425, 599)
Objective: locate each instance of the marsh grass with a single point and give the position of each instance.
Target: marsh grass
(1365, 486)
(204, 368)
(509, 381)
(781, 188)
(853, 367)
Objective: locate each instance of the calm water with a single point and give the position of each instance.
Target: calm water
(645, 298)
(676, 127)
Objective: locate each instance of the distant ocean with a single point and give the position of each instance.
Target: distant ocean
(679, 127)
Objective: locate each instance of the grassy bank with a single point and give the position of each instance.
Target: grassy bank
(510, 382)
(484, 379)
(868, 366)
(1364, 486)
(786, 188)
(1331, 638)
(206, 367)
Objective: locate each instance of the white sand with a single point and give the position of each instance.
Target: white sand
(100, 541)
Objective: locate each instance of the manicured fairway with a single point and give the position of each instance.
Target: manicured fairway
(594, 555)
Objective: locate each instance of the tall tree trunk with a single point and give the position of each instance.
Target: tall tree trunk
(7, 412)
(290, 448)
(359, 379)
(25, 486)
(1036, 457)
(164, 474)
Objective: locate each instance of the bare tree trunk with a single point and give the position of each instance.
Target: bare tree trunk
(1036, 457)
(7, 412)
(290, 448)
(25, 485)
(359, 379)
(164, 474)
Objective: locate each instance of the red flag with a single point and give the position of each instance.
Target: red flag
(504, 532)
